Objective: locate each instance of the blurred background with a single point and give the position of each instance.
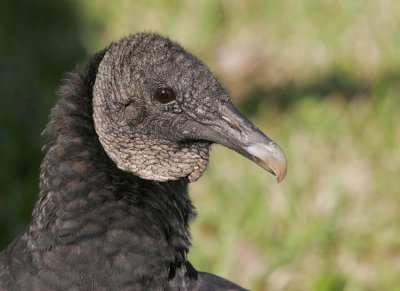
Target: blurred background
(322, 78)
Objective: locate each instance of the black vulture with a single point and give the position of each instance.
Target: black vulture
(126, 136)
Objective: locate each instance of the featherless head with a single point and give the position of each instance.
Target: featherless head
(157, 109)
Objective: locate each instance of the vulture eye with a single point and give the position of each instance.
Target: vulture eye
(164, 95)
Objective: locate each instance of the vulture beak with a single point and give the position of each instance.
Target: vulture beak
(236, 132)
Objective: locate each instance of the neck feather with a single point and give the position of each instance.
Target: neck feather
(86, 200)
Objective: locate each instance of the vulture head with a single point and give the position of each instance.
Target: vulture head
(157, 109)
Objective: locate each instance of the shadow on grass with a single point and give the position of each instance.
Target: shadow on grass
(283, 97)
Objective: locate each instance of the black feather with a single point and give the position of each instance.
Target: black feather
(96, 227)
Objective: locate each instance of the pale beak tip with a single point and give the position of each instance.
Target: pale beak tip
(270, 157)
(280, 175)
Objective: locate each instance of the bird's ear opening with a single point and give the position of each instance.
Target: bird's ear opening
(134, 113)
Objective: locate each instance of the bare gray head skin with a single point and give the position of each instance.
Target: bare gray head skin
(157, 109)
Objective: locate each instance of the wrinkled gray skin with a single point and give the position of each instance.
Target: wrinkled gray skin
(141, 135)
(114, 211)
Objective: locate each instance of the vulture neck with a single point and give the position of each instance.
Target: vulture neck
(96, 211)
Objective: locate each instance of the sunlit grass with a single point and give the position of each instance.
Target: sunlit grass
(331, 225)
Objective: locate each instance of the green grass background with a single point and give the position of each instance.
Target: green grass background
(322, 78)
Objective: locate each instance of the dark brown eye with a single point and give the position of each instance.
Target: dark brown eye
(164, 95)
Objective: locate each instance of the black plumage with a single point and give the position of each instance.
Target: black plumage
(113, 211)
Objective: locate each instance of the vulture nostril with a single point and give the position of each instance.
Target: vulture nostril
(231, 123)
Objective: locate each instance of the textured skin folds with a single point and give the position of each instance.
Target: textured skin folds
(146, 140)
(105, 218)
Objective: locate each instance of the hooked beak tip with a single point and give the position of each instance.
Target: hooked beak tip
(270, 157)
